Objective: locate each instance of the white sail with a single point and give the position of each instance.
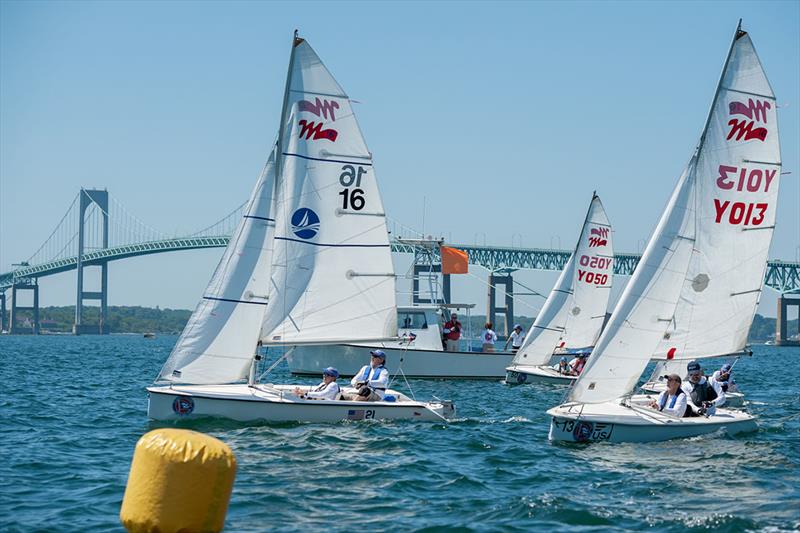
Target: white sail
(592, 279)
(710, 244)
(219, 341)
(575, 309)
(332, 273)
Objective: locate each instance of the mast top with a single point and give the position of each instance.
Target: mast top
(739, 31)
(297, 40)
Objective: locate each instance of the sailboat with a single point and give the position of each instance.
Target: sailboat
(575, 310)
(310, 263)
(700, 277)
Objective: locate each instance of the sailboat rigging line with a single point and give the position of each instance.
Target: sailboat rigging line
(778, 164)
(340, 211)
(545, 327)
(759, 227)
(319, 94)
(259, 218)
(233, 300)
(342, 245)
(328, 160)
(745, 292)
(276, 363)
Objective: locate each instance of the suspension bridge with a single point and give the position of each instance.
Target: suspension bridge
(97, 229)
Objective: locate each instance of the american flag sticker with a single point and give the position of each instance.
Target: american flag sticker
(355, 414)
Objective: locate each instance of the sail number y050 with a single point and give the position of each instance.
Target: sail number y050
(352, 198)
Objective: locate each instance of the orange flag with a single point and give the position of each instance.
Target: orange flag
(454, 261)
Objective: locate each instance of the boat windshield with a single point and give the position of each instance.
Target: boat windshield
(411, 320)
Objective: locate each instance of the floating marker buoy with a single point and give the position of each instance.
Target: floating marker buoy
(180, 480)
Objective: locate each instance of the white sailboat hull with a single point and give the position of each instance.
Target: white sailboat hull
(733, 400)
(613, 422)
(518, 375)
(348, 360)
(272, 403)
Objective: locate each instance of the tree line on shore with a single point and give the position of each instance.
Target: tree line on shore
(135, 319)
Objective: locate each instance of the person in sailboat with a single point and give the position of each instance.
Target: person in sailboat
(327, 390)
(578, 362)
(673, 400)
(371, 381)
(562, 367)
(703, 397)
(724, 379)
(516, 339)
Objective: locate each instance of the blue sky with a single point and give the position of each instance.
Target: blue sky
(499, 118)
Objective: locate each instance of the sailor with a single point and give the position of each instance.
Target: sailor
(673, 400)
(562, 367)
(488, 337)
(516, 338)
(327, 390)
(372, 380)
(578, 362)
(703, 397)
(452, 333)
(723, 378)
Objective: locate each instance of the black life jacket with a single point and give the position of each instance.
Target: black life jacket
(703, 392)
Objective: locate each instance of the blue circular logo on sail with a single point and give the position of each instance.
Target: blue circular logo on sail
(305, 223)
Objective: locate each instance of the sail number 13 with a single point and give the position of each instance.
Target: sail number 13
(352, 198)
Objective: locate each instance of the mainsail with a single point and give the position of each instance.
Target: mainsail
(219, 341)
(574, 312)
(332, 274)
(696, 288)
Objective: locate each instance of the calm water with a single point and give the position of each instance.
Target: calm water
(74, 407)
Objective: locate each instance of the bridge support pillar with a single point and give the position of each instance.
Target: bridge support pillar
(427, 271)
(2, 311)
(507, 281)
(782, 333)
(87, 198)
(14, 327)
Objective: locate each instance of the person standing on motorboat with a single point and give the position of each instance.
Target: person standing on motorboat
(452, 333)
(703, 397)
(372, 380)
(488, 337)
(562, 367)
(516, 338)
(327, 390)
(723, 378)
(578, 362)
(673, 400)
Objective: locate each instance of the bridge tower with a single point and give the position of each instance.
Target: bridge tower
(23, 284)
(87, 197)
(501, 277)
(2, 310)
(781, 324)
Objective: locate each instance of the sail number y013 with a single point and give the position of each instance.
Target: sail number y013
(742, 180)
(352, 198)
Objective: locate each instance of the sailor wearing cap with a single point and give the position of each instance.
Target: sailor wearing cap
(673, 400)
(372, 380)
(724, 379)
(703, 397)
(562, 367)
(516, 338)
(327, 390)
(578, 362)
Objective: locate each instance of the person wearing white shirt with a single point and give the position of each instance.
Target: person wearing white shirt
(723, 377)
(673, 400)
(372, 380)
(488, 337)
(703, 397)
(327, 390)
(516, 338)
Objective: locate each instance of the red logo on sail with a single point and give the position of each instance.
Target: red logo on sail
(314, 130)
(756, 111)
(321, 108)
(599, 237)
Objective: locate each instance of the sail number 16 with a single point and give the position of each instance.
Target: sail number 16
(352, 198)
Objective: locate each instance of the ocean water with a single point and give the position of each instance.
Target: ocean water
(74, 407)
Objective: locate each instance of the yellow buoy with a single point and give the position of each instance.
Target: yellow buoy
(180, 480)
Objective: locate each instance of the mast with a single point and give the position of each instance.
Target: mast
(279, 156)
